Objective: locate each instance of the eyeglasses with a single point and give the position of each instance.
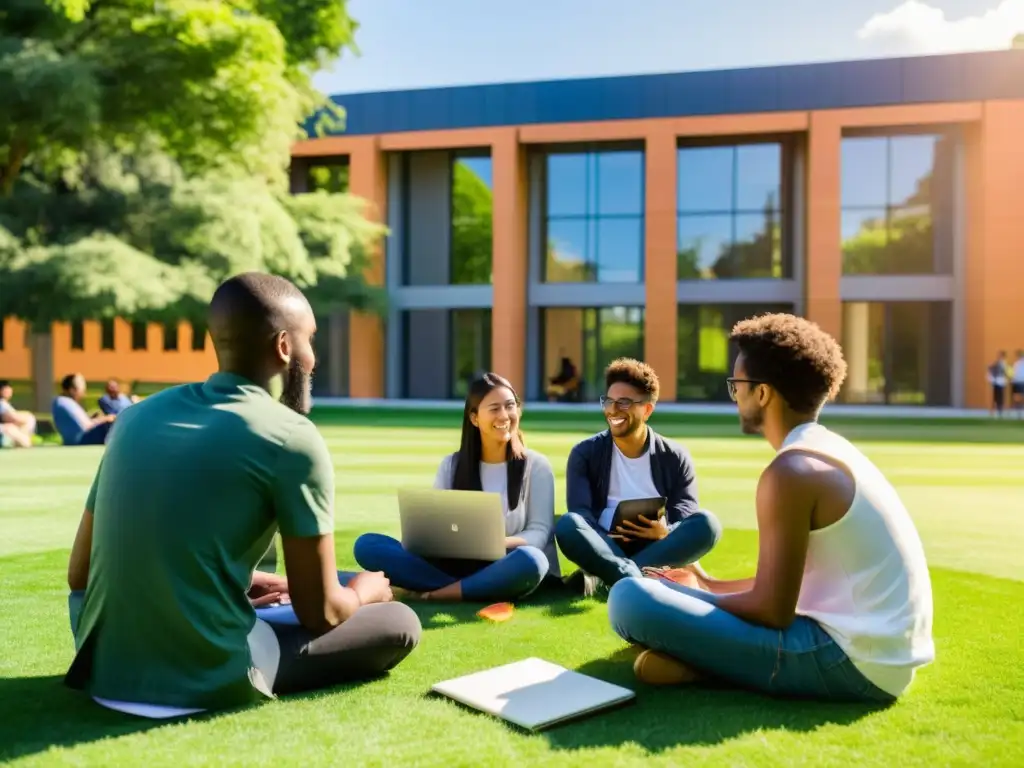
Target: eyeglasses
(622, 404)
(731, 383)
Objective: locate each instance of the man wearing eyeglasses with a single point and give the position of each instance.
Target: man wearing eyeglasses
(627, 461)
(840, 605)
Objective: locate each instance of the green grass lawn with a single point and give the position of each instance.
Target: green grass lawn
(963, 482)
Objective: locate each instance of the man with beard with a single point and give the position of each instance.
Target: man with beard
(840, 607)
(627, 461)
(194, 483)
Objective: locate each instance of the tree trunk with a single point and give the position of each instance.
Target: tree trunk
(41, 345)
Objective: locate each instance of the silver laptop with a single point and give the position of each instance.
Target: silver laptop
(533, 693)
(467, 525)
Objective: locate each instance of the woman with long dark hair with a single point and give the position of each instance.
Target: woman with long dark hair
(492, 457)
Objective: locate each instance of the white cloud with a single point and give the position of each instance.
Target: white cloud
(915, 27)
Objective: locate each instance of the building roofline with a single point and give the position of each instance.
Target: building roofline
(963, 77)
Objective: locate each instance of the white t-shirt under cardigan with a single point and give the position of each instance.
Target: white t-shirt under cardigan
(533, 520)
(629, 479)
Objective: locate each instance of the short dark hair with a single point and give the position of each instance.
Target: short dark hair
(626, 370)
(247, 309)
(68, 381)
(795, 356)
(4, 383)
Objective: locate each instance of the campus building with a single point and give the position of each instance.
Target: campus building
(644, 215)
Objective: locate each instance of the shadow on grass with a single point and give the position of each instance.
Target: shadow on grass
(664, 718)
(41, 713)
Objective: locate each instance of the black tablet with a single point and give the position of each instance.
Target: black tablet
(631, 509)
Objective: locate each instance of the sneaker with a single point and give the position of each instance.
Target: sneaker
(582, 583)
(655, 668)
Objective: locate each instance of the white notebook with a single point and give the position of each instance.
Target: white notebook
(534, 693)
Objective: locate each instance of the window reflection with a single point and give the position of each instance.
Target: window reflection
(619, 250)
(731, 210)
(443, 350)
(578, 344)
(897, 205)
(594, 217)
(705, 357)
(471, 348)
(897, 352)
(472, 218)
(332, 177)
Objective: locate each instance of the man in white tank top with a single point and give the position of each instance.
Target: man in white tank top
(840, 607)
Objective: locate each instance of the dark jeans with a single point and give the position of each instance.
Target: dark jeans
(515, 576)
(593, 550)
(96, 435)
(800, 661)
(373, 641)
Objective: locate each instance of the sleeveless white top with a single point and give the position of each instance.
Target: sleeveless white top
(866, 581)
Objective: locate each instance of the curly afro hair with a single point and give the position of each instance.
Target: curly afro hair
(640, 375)
(801, 361)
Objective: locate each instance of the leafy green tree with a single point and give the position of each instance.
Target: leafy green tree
(219, 85)
(144, 150)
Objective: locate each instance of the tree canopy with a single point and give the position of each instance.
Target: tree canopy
(144, 150)
(219, 84)
(139, 240)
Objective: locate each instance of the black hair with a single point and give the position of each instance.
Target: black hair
(4, 383)
(796, 357)
(638, 375)
(466, 469)
(68, 382)
(246, 311)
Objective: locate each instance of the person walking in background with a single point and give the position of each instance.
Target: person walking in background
(998, 376)
(1017, 384)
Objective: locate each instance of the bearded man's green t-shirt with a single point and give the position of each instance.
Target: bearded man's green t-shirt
(193, 485)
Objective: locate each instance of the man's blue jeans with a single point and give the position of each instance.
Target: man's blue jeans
(592, 549)
(801, 660)
(515, 576)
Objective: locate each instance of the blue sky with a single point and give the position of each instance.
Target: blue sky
(426, 43)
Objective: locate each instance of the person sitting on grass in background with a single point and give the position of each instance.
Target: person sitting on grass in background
(492, 457)
(629, 461)
(840, 606)
(193, 485)
(16, 427)
(113, 400)
(75, 426)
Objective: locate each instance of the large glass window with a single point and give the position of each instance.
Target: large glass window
(107, 333)
(472, 217)
(77, 334)
(471, 347)
(898, 352)
(731, 212)
(897, 205)
(578, 344)
(594, 217)
(330, 175)
(443, 351)
(704, 354)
